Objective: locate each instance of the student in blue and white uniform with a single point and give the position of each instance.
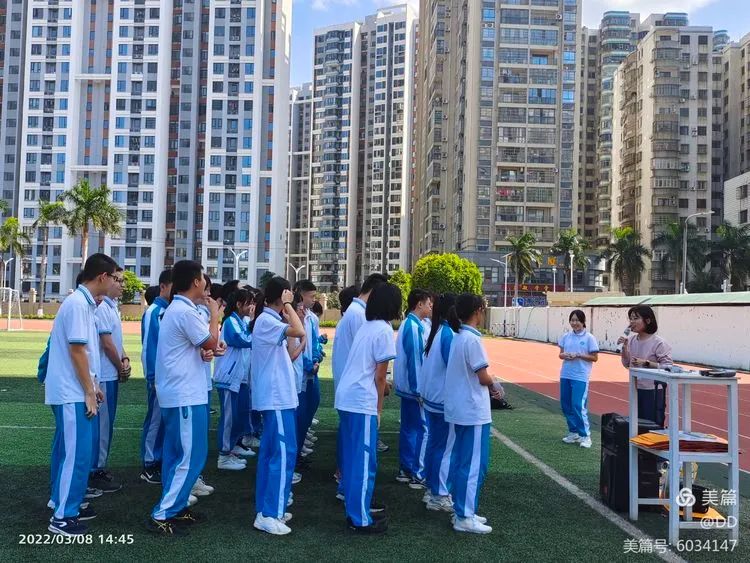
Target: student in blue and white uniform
(115, 367)
(578, 351)
(359, 402)
(309, 398)
(153, 430)
(431, 387)
(71, 390)
(467, 410)
(409, 355)
(181, 390)
(274, 395)
(230, 371)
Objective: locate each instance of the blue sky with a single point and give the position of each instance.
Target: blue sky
(732, 15)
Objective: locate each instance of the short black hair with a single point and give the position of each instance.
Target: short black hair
(317, 308)
(346, 296)
(305, 285)
(151, 293)
(216, 289)
(372, 281)
(647, 314)
(165, 277)
(384, 303)
(208, 280)
(228, 289)
(275, 287)
(581, 316)
(184, 273)
(416, 296)
(96, 265)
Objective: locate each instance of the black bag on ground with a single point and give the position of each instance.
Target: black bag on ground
(614, 482)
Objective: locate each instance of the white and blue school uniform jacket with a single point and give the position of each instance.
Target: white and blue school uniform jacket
(150, 335)
(467, 402)
(180, 374)
(431, 385)
(206, 316)
(427, 324)
(409, 356)
(311, 355)
(75, 323)
(108, 322)
(231, 368)
(346, 330)
(271, 372)
(299, 370)
(356, 391)
(577, 343)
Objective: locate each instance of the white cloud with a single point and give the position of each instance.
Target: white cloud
(593, 9)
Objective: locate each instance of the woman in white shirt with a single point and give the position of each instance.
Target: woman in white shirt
(467, 410)
(359, 401)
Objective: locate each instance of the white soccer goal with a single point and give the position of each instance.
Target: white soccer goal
(10, 304)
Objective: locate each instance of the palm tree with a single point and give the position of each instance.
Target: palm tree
(90, 207)
(523, 258)
(49, 214)
(625, 255)
(13, 239)
(732, 247)
(671, 241)
(567, 241)
(704, 282)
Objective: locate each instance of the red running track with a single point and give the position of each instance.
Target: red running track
(535, 366)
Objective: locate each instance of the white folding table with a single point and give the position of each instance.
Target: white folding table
(679, 391)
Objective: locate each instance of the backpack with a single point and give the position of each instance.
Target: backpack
(41, 368)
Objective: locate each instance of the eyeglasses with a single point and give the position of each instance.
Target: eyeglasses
(117, 278)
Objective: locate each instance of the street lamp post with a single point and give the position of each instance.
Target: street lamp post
(504, 264)
(6, 283)
(237, 257)
(297, 270)
(683, 284)
(571, 254)
(554, 279)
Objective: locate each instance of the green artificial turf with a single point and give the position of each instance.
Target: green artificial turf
(534, 519)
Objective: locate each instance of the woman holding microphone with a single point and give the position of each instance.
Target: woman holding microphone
(643, 348)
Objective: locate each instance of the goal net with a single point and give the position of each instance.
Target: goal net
(10, 309)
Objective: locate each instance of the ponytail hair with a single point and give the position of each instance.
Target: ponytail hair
(440, 309)
(466, 305)
(260, 300)
(234, 299)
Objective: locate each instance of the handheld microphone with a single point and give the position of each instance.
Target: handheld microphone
(625, 333)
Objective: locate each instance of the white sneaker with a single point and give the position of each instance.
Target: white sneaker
(481, 519)
(238, 459)
(315, 422)
(274, 526)
(192, 499)
(242, 451)
(254, 443)
(312, 437)
(200, 489)
(296, 478)
(230, 462)
(585, 442)
(290, 502)
(427, 497)
(308, 443)
(287, 517)
(305, 451)
(572, 438)
(471, 525)
(440, 504)
(247, 442)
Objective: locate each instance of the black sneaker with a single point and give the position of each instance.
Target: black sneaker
(151, 475)
(67, 527)
(376, 506)
(104, 481)
(93, 492)
(417, 483)
(187, 518)
(86, 512)
(165, 528)
(382, 446)
(378, 526)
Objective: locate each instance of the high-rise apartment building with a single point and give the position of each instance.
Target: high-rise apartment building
(300, 151)
(588, 166)
(507, 161)
(180, 107)
(359, 187)
(662, 137)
